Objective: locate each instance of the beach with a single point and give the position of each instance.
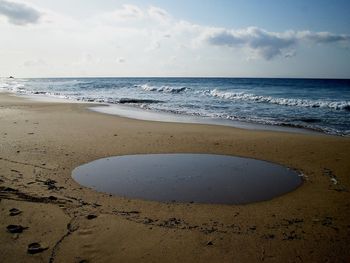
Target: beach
(41, 143)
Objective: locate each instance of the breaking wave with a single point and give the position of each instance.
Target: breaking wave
(336, 105)
(166, 89)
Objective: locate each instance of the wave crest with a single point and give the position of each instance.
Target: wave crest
(336, 105)
(166, 89)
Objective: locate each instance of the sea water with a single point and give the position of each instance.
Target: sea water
(316, 104)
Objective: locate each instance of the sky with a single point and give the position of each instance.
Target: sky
(164, 38)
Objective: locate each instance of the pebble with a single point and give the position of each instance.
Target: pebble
(91, 216)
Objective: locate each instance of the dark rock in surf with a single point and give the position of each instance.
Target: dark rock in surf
(129, 100)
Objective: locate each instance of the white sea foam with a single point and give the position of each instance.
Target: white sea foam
(166, 89)
(11, 86)
(337, 105)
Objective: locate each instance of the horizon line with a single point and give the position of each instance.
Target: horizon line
(183, 77)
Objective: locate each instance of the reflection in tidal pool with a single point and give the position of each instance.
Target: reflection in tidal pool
(199, 178)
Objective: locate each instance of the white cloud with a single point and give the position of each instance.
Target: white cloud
(125, 13)
(290, 53)
(267, 44)
(260, 42)
(159, 14)
(128, 12)
(19, 13)
(130, 21)
(322, 37)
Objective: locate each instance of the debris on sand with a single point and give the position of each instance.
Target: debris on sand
(91, 216)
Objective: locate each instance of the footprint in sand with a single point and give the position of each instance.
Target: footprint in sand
(14, 211)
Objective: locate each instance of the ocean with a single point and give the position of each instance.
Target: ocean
(315, 104)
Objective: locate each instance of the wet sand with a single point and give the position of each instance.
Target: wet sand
(41, 143)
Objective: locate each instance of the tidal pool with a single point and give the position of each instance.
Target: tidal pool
(198, 178)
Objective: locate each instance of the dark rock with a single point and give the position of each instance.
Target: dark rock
(51, 184)
(15, 228)
(310, 120)
(131, 100)
(210, 243)
(52, 198)
(8, 189)
(35, 248)
(91, 216)
(148, 221)
(14, 211)
(172, 221)
(127, 213)
(290, 236)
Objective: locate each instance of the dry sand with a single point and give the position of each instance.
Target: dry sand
(45, 141)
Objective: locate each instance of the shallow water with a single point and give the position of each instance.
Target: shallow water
(199, 178)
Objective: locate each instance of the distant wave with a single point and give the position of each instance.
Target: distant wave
(166, 89)
(337, 105)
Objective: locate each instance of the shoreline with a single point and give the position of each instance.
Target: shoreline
(167, 117)
(46, 141)
(132, 112)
